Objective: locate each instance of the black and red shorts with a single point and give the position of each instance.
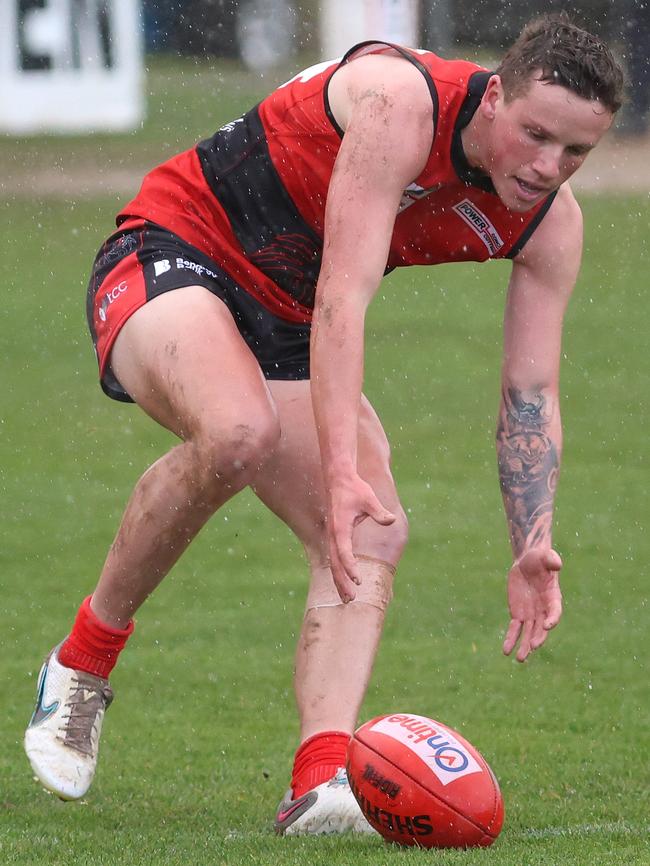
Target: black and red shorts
(144, 261)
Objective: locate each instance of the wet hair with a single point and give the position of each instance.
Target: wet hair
(564, 54)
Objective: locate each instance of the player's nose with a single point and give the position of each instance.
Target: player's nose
(547, 163)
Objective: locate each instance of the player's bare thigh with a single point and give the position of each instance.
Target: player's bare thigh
(182, 359)
(291, 482)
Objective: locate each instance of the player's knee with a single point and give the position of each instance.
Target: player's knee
(384, 542)
(246, 446)
(232, 456)
(375, 588)
(397, 537)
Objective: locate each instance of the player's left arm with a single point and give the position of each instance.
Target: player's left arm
(529, 432)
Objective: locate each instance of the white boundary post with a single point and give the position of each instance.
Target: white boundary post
(342, 23)
(70, 66)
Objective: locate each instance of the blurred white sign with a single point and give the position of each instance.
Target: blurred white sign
(344, 23)
(70, 65)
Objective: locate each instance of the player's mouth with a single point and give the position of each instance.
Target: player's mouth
(529, 191)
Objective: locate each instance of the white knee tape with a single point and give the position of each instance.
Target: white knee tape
(376, 585)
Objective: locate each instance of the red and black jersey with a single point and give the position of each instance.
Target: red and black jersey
(252, 197)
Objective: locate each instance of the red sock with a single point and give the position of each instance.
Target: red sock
(318, 759)
(93, 646)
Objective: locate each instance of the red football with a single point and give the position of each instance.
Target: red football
(418, 782)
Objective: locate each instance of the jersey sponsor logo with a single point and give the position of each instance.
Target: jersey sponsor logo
(161, 267)
(181, 264)
(110, 297)
(479, 224)
(186, 264)
(434, 745)
(413, 193)
(228, 127)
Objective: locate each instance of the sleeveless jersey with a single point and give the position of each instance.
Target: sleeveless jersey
(252, 197)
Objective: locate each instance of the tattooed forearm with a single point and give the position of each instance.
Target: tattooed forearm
(528, 467)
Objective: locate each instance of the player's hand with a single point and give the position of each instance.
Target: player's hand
(351, 501)
(534, 599)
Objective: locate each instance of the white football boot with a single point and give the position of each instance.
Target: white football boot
(327, 808)
(62, 739)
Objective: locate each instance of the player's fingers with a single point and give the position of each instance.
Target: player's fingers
(342, 582)
(343, 587)
(350, 566)
(554, 613)
(343, 559)
(511, 636)
(379, 514)
(553, 561)
(538, 635)
(524, 643)
(383, 517)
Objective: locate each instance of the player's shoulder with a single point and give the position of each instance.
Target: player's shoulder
(565, 213)
(560, 231)
(381, 77)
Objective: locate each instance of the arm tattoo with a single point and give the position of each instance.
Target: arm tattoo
(528, 467)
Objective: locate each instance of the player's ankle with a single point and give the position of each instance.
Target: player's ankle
(92, 645)
(318, 759)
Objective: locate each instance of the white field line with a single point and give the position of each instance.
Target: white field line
(614, 828)
(617, 828)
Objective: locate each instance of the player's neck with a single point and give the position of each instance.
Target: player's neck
(475, 138)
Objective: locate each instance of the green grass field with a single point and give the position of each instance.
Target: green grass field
(198, 745)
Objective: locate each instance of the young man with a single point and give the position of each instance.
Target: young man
(200, 309)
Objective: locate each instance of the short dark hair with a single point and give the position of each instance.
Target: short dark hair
(564, 54)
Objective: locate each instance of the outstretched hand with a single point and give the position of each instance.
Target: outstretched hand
(534, 599)
(351, 501)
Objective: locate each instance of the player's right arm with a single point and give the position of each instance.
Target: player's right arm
(383, 103)
(529, 436)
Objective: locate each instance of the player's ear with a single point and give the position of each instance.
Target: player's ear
(492, 97)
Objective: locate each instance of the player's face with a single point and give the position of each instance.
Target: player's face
(538, 140)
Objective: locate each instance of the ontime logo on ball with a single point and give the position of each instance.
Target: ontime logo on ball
(433, 744)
